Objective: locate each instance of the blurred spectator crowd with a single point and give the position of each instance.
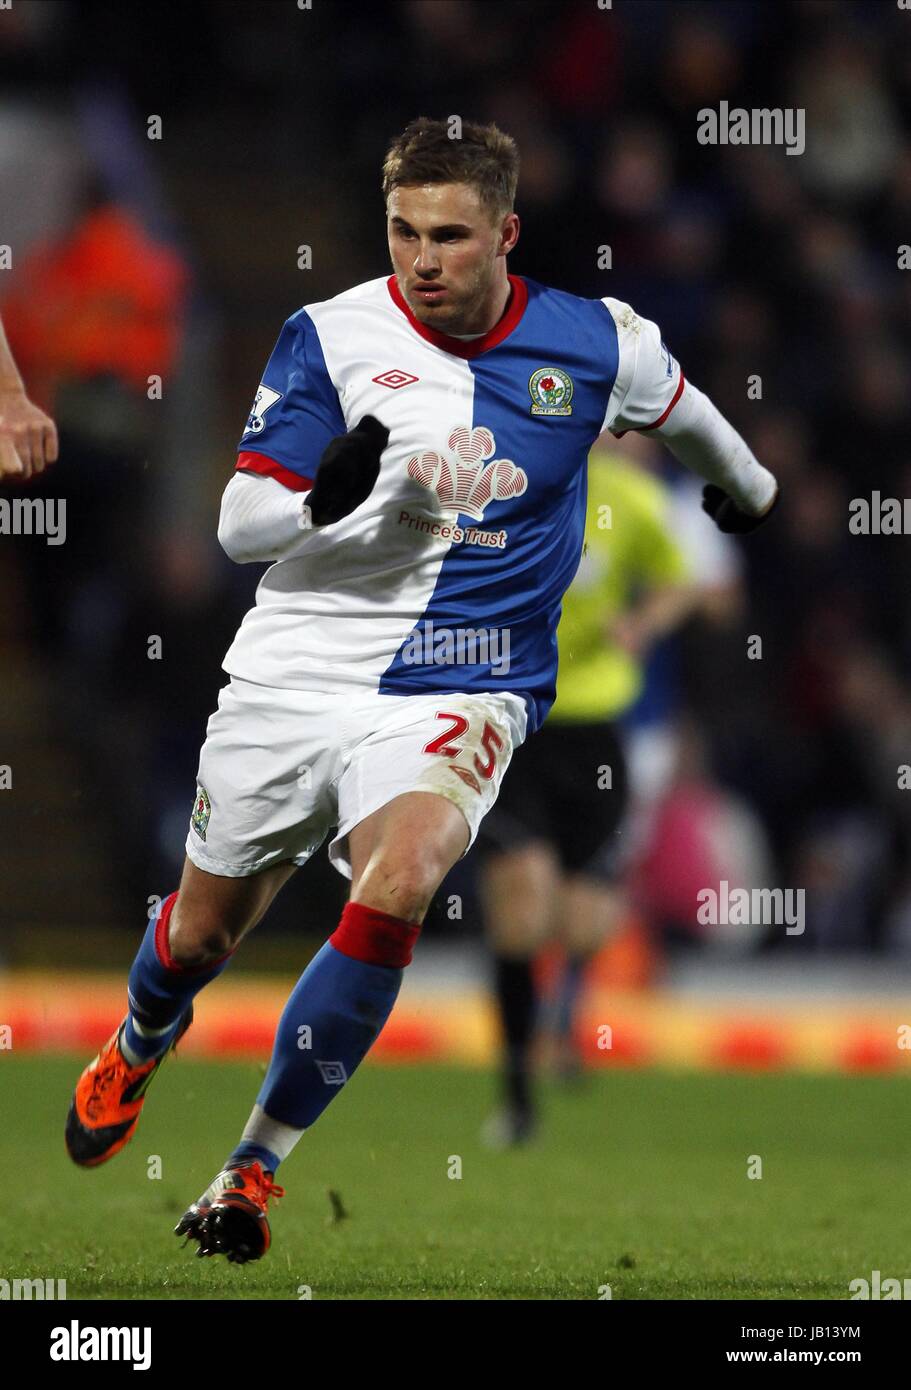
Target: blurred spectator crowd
(177, 257)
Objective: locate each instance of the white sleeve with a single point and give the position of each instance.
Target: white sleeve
(261, 519)
(649, 381)
(650, 393)
(699, 436)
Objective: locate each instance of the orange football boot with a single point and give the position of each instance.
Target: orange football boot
(230, 1217)
(108, 1100)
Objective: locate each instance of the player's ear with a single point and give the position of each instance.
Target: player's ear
(509, 233)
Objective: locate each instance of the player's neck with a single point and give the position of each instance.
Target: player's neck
(498, 305)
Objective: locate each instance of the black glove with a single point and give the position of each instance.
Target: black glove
(347, 472)
(727, 515)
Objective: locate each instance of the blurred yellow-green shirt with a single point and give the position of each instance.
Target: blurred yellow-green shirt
(628, 548)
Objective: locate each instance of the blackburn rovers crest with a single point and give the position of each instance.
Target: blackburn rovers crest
(202, 810)
(551, 391)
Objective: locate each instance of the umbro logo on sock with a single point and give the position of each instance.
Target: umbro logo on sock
(333, 1073)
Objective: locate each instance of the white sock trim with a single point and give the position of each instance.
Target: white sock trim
(133, 1058)
(278, 1138)
(151, 1032)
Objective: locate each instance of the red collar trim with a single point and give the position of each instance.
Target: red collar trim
(500, 330)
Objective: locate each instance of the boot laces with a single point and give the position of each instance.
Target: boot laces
(266, 1184)
(103, 1079)
(102, 1082)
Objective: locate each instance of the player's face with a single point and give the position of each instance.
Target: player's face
(448, 256)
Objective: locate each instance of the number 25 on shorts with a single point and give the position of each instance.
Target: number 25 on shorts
(443, 743)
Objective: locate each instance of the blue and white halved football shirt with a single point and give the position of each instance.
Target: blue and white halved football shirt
(477, 517)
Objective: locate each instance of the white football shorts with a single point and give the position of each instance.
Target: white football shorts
(280, 768)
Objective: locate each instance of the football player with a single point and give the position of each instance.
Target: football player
(414, 464)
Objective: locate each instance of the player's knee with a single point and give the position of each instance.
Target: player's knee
(519, 889)
(407, 897)
(414, 892)
(514, 936)
(400, 886)
(199, 937)
(517, 924)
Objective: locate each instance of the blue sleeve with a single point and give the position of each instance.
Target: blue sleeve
(296, 410)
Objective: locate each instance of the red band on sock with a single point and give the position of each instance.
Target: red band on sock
(367, 934)
(163, 950)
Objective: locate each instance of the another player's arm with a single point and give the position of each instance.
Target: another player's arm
(655, 614)
(659, 572)
(28, 437)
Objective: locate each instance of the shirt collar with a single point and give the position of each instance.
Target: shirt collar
(459, 348)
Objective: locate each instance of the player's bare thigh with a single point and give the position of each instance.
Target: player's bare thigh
(520, 889)
(213, 913)
(401, 853)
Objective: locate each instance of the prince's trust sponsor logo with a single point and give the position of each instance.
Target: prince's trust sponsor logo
(449, 531)
(465, 480)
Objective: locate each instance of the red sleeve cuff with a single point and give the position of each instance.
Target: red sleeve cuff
(268, 468)
(670, 406)
(618, 434)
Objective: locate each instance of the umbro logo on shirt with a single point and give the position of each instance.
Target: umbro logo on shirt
(395, 379)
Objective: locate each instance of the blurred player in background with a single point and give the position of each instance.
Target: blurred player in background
(28, 437)
(558, 821)
(415, 464)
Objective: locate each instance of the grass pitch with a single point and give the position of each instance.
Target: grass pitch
(639, 1180)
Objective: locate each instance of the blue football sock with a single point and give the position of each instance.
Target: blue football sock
(160, 990)
(335, 1013)
(247, 1150)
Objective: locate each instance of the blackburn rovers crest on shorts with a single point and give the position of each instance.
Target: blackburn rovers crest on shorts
(202, 810)
(551, 391)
